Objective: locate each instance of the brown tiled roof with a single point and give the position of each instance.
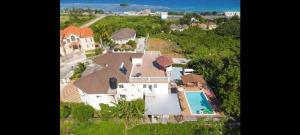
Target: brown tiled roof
(164, 61)
(124, 33)
(189, 78)
(82, 32)
(70, 94)
(98, 82)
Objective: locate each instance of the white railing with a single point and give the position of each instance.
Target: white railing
(148, 79)
(153, 52)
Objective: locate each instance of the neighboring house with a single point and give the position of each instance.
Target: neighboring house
(201, 25)
(231, 14)
(127, 76)
(164, 15)
(209, 25)
(123, 35)
(179, 27)
(74, 39)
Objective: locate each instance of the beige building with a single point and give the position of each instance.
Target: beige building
(74, 39)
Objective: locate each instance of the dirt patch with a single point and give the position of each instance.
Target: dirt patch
(164, 46)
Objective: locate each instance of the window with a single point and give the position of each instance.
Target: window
(68, 40)
(85, 40)
(122, 96)
(155, 86)
(132, 85)
(121, 86)
(144, 86)
(78, 39)
(64, 42)
(97, 96)
(72, 38)
(92, 39)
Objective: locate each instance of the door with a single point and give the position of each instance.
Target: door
(150, 87)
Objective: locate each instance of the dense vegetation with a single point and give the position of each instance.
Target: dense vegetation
(186, 19)
(124, 119)
(142, 24)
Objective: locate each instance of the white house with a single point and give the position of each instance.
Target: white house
(127, 76)
(164, 15)
(74, 39)
(122, 36)
(231, 14)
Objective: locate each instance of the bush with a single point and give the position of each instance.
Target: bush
(132, 43)
(82, 112)
(98, 51)
(65, 111)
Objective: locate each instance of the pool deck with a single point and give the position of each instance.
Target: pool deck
(185, 107)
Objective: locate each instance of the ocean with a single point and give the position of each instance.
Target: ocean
(155, 5)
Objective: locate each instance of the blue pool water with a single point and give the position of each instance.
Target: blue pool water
(198, 103)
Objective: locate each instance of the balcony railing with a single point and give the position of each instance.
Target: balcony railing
(148, 79)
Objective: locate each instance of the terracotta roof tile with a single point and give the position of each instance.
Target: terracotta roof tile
(82, 32)
(190, 78)
(164, 61)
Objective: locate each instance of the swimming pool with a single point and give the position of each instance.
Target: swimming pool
(198, 103)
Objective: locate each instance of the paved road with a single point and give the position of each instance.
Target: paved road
(67, 66)
(140, 47)
(101, 16)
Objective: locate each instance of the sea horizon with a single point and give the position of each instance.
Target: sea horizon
(155, 5)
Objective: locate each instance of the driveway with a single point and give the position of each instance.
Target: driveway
(101, 16)
(68, 66)
(141, 44)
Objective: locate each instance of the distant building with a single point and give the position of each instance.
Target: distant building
(123, 35)
(164, 15)
(194, 19)
(211, 25)
(231, 14)
(174, 27)
(131, 13)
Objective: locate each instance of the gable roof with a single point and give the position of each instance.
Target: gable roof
(81, 32)
(98, 81)
(124, 33)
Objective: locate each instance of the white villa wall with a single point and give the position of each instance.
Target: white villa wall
(125, 41)
(87, 43)
(95, 99)
(135, 90)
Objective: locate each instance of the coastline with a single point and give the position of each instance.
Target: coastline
(137, 7)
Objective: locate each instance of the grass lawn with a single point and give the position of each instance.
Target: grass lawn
(95, 127)
(164, 46)
(64, 18)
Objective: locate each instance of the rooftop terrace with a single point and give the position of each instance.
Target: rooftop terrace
(147, 71)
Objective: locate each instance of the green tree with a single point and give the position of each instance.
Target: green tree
(101, 34)
(65, 111)
(131, 43)
(229, 28)
(129, 111)
(82, 112)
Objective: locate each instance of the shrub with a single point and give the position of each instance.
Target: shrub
(82, 112)
(65, 111)
(98, 51)
(132, 43)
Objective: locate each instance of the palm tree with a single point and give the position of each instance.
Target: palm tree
(128, 110)
(101, 34)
